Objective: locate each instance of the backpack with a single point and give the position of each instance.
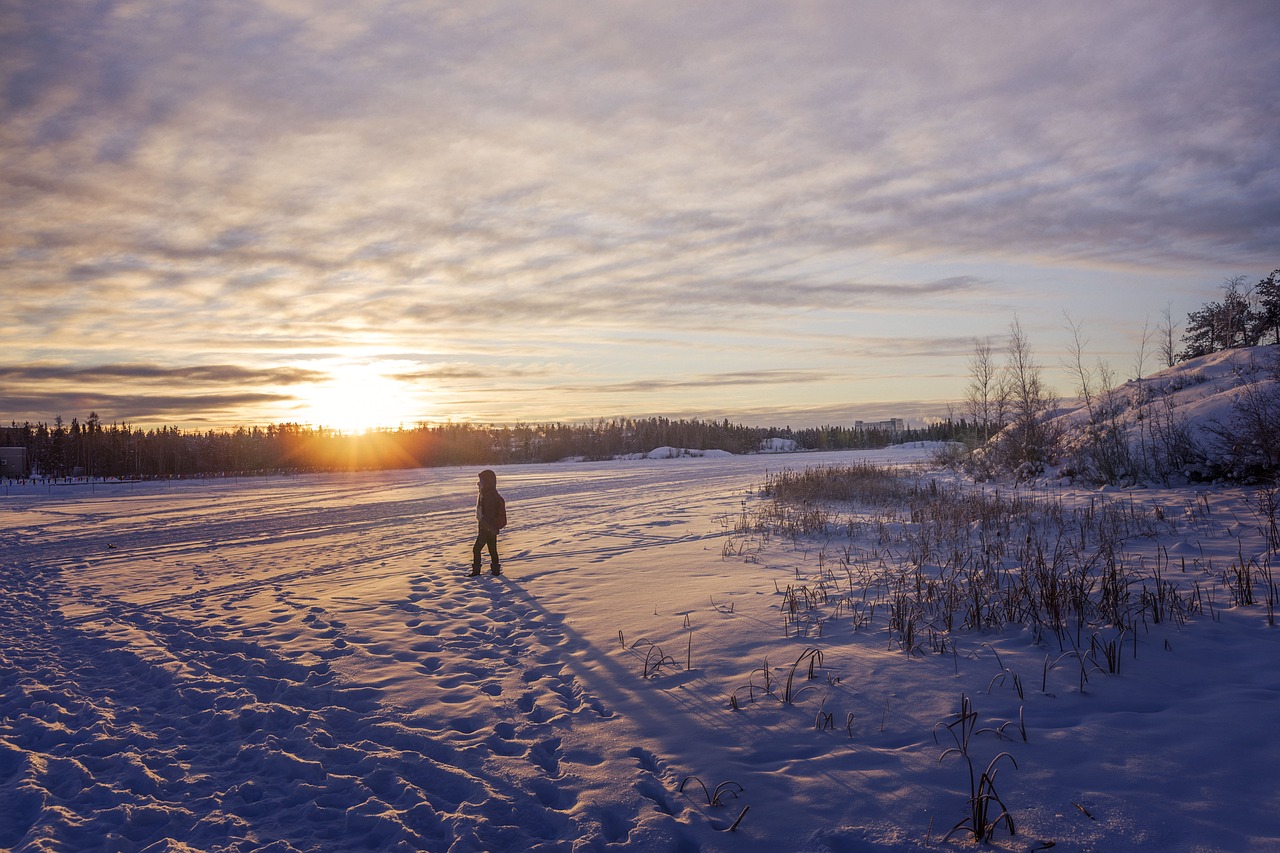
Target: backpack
(500, 517)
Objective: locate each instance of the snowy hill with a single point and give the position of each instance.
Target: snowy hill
(1207, 418)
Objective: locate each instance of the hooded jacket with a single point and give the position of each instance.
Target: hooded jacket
(491, 508)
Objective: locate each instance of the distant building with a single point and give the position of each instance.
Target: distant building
(893, 425)
(13, 462)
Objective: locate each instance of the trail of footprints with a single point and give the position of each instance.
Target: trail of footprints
(267, 747)
(483, 640)
(476, 642)
(499, 661)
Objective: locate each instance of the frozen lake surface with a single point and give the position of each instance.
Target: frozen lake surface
(301, 663)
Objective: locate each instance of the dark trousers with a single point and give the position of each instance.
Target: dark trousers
(485, 539)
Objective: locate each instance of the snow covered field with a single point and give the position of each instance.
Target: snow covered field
(300, 663)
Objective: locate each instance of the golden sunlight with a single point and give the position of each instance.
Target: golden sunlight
(357, 397)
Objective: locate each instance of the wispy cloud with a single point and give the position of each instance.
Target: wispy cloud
(704, 382)
(203, 374)
(265, 184)
(194, 410)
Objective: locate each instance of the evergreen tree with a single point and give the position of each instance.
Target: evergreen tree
(1266, 328)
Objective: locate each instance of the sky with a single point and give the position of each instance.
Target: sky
(383, 213)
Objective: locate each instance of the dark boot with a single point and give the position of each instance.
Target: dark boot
(497, 570)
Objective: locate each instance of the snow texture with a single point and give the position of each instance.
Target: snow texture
(301, 663)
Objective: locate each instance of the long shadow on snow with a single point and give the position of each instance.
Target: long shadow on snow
(212, 740)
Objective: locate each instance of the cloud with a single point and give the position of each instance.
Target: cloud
(198, 374)
(268, 183)
(461, 372)
(703, 382)
(915, 412)
(219, 411)
(188, 394)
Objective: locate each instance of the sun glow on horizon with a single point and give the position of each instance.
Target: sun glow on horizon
(357, 398)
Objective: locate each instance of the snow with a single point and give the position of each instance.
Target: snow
(300, 663)
(679, 452)
(1201, 393)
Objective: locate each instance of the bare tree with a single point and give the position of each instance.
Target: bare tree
(1027, 442)
(1168, 332)
(1144, 345)
(986, 396)
(1142, 398)
(1084, 375)
(1101, 453)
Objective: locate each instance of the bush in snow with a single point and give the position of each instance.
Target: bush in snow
(1169, 448)
(1248, 440)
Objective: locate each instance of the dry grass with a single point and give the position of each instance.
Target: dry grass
(926, 562)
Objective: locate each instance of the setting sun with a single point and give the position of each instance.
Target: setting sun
(357, 397)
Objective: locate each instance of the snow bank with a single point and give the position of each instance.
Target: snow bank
(684, 452)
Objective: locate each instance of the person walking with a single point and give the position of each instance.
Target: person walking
(491, 516)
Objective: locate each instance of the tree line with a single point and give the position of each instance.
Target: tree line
(94, 449)
(1003, 421)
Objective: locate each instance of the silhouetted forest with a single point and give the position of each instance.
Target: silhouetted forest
(119, 450)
